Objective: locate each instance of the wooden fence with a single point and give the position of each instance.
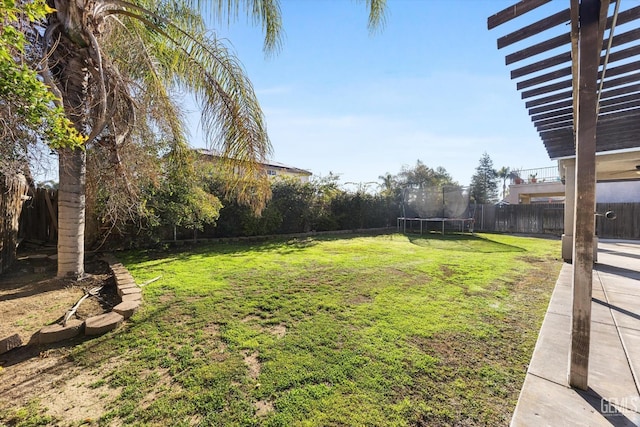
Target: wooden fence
(549, 219)
(12, 192)
(39, 219)
(625, 226)
(528, 219)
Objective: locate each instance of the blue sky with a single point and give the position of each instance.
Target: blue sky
(430, 85)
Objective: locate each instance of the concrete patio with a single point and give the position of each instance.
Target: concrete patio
(613, 397)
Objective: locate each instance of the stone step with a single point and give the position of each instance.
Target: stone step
(57, 332)
(121, 272)
(129, 291)
(127, 286)
(9, 343)
(121, 282)
(131, 297)
(127, 308)
(102, 323)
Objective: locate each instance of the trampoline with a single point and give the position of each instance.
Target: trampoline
(447, 206)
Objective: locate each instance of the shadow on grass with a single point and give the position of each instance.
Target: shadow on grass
(283, 245)
(462, 242)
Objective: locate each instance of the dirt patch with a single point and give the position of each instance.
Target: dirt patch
(79, 399)
(278, 330)
(64, 390)
(212, 329)
(447, 271)
(252, 362)
(361, 299)
(263, 407)
(250, 319)
(30, 298)
(163, 384)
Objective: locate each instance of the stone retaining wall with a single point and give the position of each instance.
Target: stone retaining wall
(130, 300)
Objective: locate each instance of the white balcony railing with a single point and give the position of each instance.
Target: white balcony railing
(531, 176)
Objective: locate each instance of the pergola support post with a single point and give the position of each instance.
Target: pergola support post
(584, 208)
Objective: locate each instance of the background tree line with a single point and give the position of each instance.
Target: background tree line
(201, 202)
(190, 196)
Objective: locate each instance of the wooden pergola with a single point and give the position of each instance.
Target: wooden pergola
(578, 71)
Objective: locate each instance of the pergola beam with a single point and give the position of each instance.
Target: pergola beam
(514, 11)
(533, 29)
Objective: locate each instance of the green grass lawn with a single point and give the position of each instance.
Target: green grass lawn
(340, 331)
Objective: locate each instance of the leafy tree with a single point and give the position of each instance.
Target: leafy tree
(295, 207)
(422, 176)
(292, 203)
(27, 110)
(26, 104)
(182, 201)
(484, 186)
(356, 210)
(325, 190)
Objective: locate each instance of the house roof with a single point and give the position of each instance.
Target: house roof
(292, 169)
(288, 168)
(540, 58)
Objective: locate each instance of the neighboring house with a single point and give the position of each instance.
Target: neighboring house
(545, 185)
(274, 170)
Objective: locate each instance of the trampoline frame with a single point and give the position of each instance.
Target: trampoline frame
(461, 221)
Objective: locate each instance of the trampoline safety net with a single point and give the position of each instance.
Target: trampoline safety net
(436, 202)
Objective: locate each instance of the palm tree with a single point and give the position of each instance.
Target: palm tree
(504, 173)
(115, 66)
(389, 187)
(388, 184)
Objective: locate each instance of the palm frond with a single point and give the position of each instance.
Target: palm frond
(377, 15)
(265, 13)
(192, 61)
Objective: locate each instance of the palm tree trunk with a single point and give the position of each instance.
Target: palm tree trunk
(71, 212)
(70, 66)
